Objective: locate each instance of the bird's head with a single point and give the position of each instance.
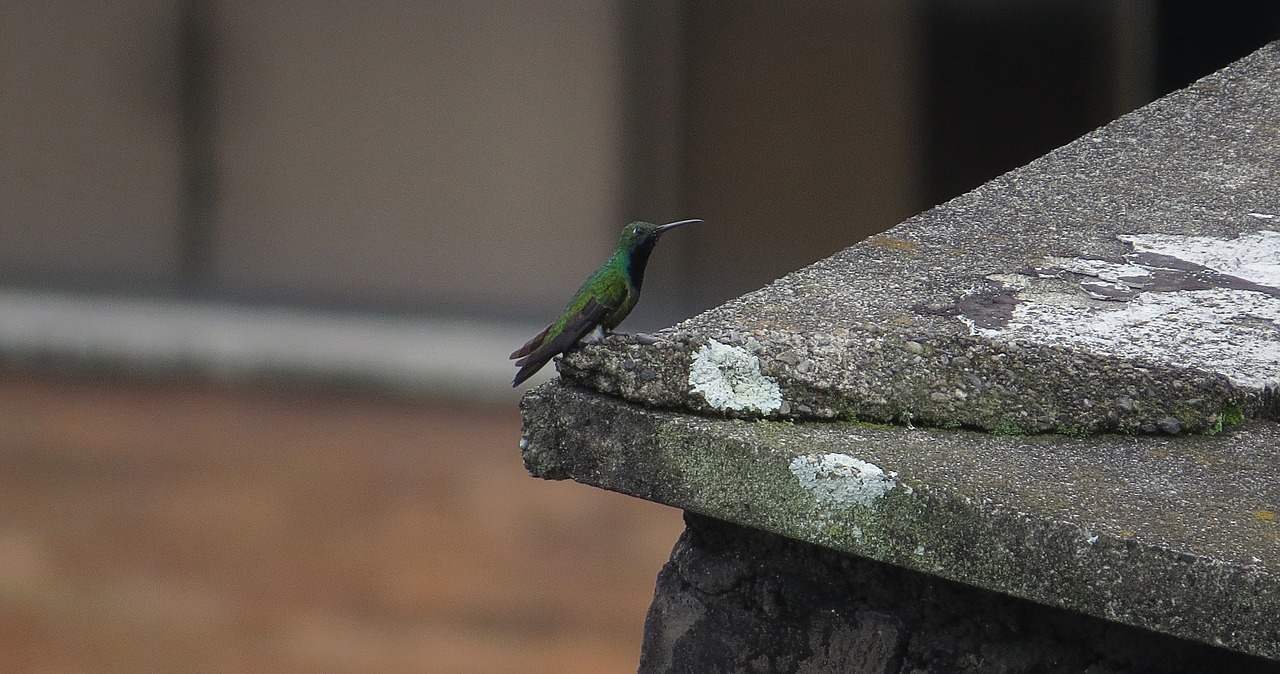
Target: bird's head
(637, 242)
(645, 234)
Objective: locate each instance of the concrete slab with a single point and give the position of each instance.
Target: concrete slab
(1075, 370)
(1129, 281)
(1176, 534)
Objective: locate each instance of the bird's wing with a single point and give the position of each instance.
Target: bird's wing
(575, 328)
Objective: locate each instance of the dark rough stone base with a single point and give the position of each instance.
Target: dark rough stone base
(734, 599)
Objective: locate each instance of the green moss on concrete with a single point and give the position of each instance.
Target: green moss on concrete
(701, 462)
(1232, 414)
(906, 525)
(1007, 428)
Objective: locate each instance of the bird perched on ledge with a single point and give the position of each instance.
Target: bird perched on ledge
(602, 302)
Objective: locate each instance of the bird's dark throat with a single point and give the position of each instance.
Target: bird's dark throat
(639, 259)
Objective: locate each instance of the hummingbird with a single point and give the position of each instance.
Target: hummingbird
(602, 302)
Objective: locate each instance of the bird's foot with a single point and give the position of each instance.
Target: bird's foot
(642, 338)
(599, 334)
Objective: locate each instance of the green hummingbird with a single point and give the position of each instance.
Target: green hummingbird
(602, 302)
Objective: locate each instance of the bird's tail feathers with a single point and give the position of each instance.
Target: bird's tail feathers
(578, 325)
(531, 364)
(530, 346)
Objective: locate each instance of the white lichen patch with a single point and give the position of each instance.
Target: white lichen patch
(1233, 328)
(729, 378)
(841, 479)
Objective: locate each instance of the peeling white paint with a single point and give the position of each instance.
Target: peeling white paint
(1016, 281)
(1120, 275)
(1254, 256)
(1235, 332)
(841, 479)
(729, 378)
(1223, 329)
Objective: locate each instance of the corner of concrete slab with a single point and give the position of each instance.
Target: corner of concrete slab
(1111, 332)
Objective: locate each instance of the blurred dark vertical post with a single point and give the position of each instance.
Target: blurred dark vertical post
(1196, 39)
(1007, 81)
(197, 109)
(654, 52)
(654, 66)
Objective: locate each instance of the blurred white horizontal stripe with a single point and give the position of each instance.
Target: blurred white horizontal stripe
(148, 336)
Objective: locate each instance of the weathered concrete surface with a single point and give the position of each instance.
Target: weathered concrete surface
(1175, 534)
(1129, 281)
(734, 599)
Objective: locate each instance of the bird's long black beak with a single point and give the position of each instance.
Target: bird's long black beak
(672, 225)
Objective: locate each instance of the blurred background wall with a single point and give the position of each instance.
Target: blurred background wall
(392, 195)
(476, 159)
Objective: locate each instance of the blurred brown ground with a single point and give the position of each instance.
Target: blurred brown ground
(190, 527)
